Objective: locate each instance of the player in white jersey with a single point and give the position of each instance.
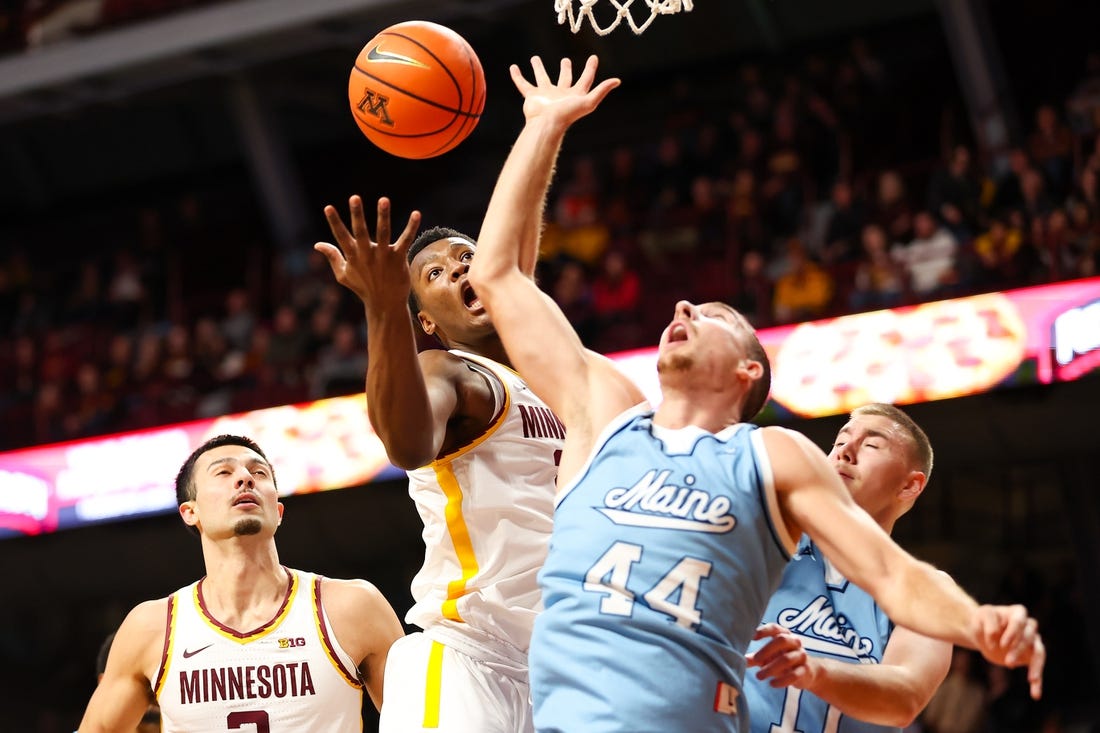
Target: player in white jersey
(253, 645)
(481, 452)
(829, 659)
(641, 579)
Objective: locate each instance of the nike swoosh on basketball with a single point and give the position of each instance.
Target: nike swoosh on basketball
(377, 54)
(188, 653)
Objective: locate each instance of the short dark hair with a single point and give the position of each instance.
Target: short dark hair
(427, 237)
(921, 446)
(185, 480)
(757, 395)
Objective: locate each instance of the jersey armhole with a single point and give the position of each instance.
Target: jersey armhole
(166, 651)
(335, 654)
(768, 499)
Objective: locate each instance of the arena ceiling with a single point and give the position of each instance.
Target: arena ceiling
(149, 100)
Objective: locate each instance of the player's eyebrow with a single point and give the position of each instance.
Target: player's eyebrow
(231, 459)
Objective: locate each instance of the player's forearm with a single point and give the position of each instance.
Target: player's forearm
(916, 595)
(397, 397)
(509, 236)
(874, 693)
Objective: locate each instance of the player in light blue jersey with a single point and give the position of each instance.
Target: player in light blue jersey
(672, 527)
(830, 660)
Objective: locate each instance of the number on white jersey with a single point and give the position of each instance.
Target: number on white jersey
(611, 573)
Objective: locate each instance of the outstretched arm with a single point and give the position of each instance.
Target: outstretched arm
(399, 401)
(914, 594)
(539, 339)
(891, 693)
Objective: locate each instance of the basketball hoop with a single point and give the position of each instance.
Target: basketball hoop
(575, 16)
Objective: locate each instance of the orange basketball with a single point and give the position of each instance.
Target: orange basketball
(417, 89)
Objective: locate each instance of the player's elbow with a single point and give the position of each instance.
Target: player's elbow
(488, 277)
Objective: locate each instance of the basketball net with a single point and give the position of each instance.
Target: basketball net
(575, 16)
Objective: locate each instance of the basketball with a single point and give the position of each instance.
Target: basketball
(417, 89)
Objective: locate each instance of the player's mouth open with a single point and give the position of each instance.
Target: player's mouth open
(469, 298)
(246, 498)
(677, 332)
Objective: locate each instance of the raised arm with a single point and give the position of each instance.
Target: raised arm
(914, 594)
(123, 695)
(399, 401)
(541, 343)
(892, 693)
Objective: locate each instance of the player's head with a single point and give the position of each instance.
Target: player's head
(227, 486)
(884, 458)
(441, 299)
(707, 344)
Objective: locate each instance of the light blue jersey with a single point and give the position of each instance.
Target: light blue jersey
(835, 619)
(662, 559)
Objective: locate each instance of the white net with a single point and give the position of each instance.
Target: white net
(575, 16)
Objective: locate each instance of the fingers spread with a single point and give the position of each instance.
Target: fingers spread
(565, 75)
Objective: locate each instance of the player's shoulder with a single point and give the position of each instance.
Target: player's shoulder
(143, 629)
(350, 595)
(446, 365)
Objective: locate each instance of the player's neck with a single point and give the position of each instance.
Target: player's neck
(679, 409)
(242, 577)
(489, 347)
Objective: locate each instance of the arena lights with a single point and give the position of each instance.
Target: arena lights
(918, 353)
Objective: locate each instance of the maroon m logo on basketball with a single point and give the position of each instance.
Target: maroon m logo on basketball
(375, 105)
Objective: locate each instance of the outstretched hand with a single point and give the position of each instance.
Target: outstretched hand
(782, 660)
(1007, 636)
(564, 101)
(378, 272)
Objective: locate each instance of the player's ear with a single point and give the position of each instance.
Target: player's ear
(751, 368)
(188, 514)
(426, 323)
(914, 485)
(280, 508)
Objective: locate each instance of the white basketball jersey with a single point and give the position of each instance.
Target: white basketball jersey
(288, 675)
(487, 510)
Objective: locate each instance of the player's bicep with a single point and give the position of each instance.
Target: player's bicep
(540, 342)
(122, 695)
(814, 501)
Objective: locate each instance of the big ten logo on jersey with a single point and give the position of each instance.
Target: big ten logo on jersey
(292, 643)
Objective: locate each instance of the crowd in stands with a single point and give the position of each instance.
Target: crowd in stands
(780, 200)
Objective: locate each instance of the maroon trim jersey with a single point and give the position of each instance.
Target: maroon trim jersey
(289, 674)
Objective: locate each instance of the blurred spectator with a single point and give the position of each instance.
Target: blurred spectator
(753, 294)
(341, 366)
(1000, 257)
(892, 210)
(572, 294)
(616, 297)
(784, 190)
(929, 259)
(1084, 101)
(843, 231)
(576, 229)
(954, 194)
(287, 346)
(239, 320)
(1008, 191)
(1036, 201)
(958, 706)
(804, 290)
(1051, 147)
(743, 211)
(1010, 707)
(126, 290)
(878, 279)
